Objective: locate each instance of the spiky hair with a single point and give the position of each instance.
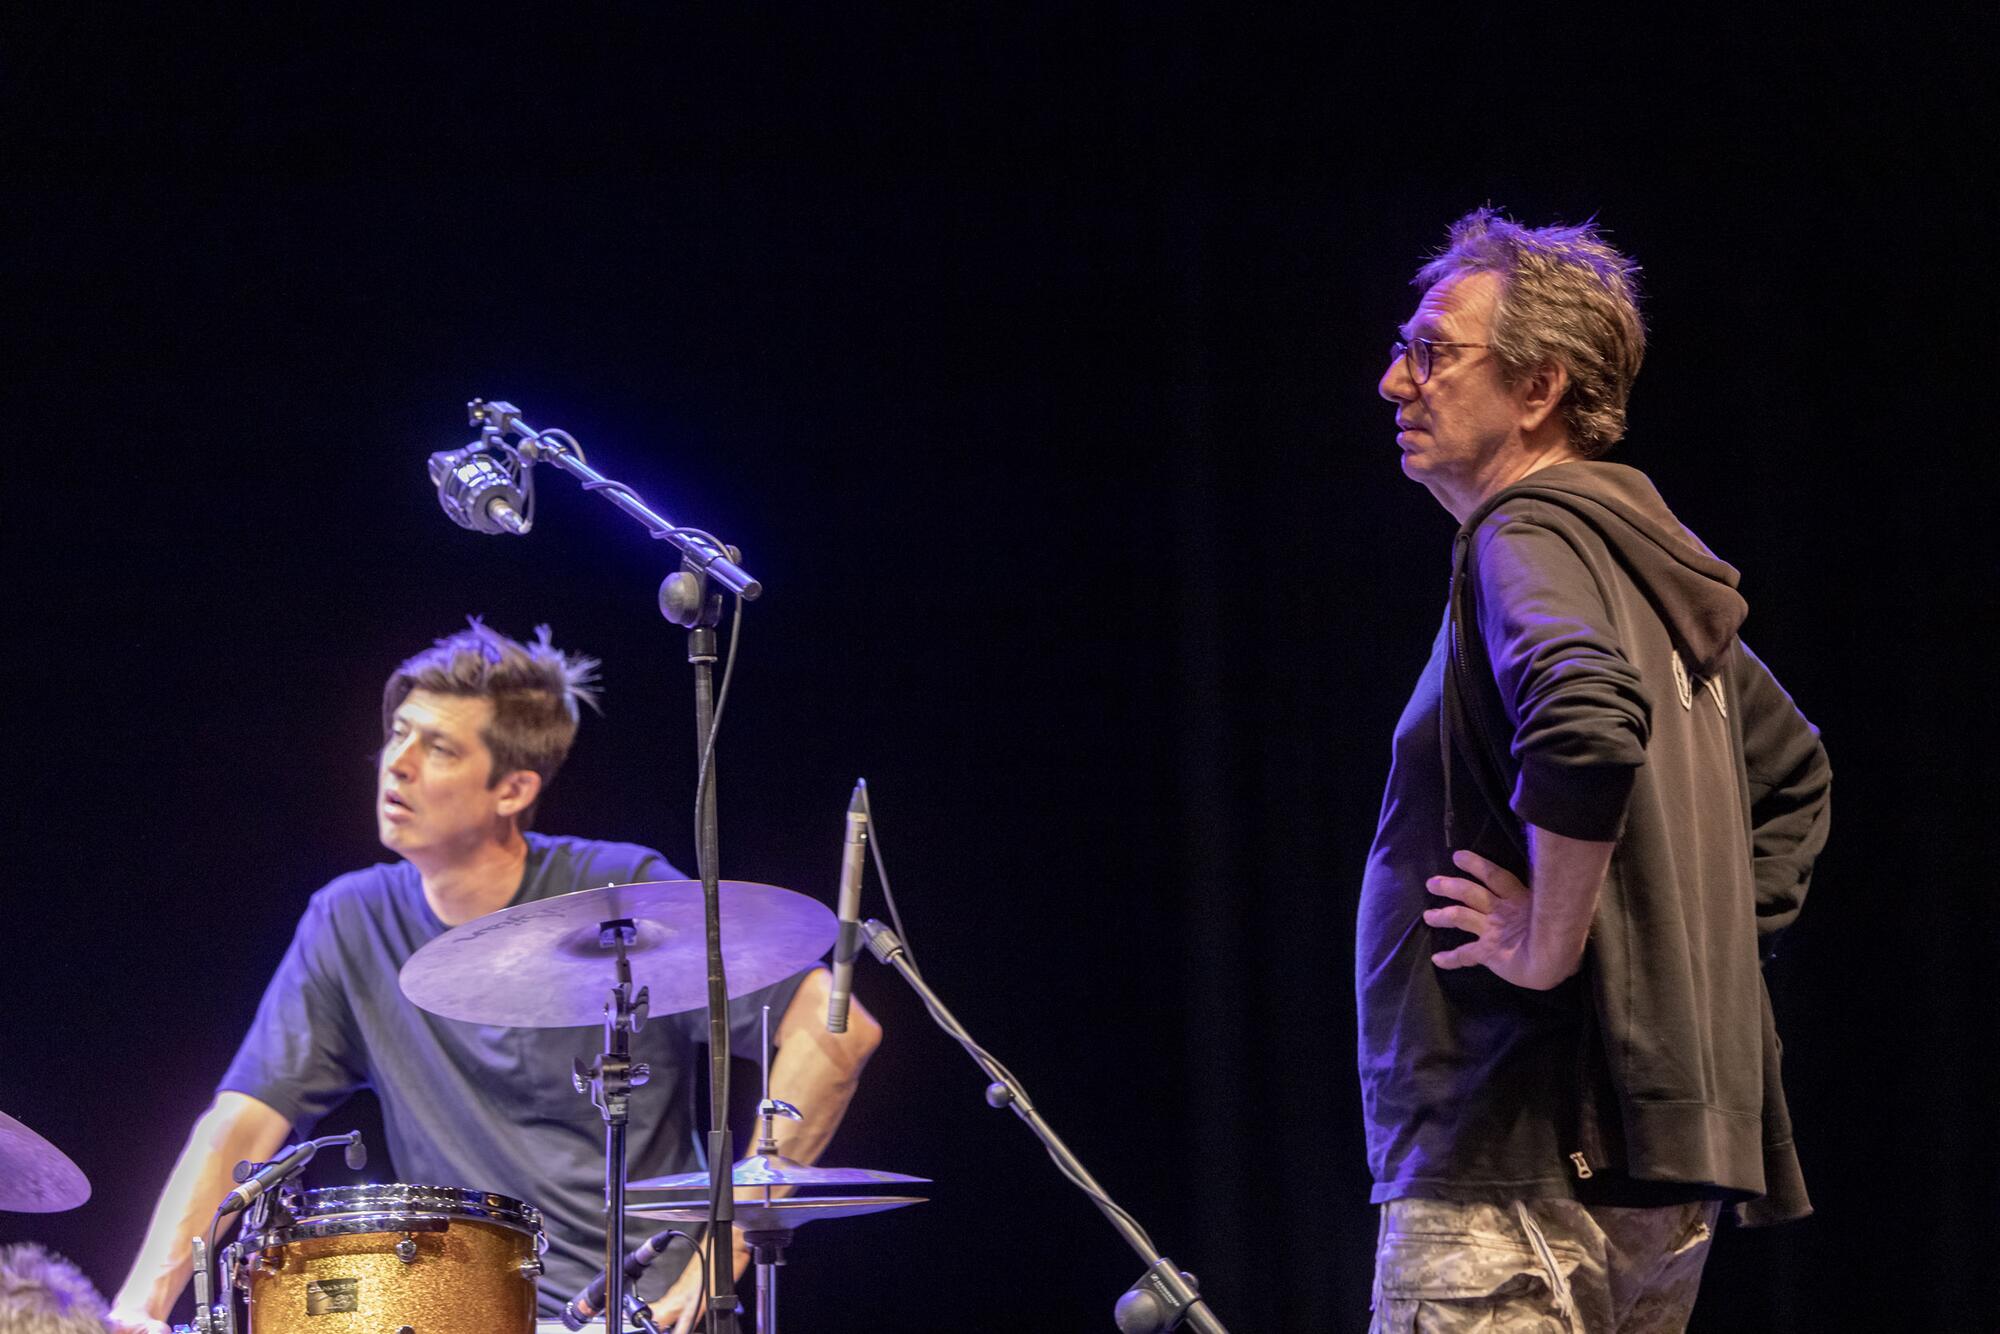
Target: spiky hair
(535, 690)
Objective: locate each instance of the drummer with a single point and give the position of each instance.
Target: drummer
(475, 729)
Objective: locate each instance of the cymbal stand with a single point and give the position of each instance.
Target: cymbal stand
(610, 1080)
(1164, 1295)
(768, 1248)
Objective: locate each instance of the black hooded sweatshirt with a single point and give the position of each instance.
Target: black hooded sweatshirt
(1589, 680)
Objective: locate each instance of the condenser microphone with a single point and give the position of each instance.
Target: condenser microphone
(848, 943)
(267, 1176)
(587, 1305)
(478, 492)
(287, 1164)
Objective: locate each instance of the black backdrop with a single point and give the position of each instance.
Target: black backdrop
(1029, 356)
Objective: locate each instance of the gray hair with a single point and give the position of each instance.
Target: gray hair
(1565, 297)
(42, 1293)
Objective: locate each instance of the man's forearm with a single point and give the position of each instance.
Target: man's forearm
(817, 1071)
(236, 1127)
(1566, 879)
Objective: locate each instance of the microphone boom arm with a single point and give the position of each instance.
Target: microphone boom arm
(702, 551)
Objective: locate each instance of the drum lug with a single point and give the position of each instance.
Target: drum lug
(406, 1250)
(531, 1268)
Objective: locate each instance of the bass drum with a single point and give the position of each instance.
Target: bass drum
(395, 1259)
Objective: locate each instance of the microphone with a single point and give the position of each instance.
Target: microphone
(848, 944)
(586, 1305)
(477, 491)
(285, 1165)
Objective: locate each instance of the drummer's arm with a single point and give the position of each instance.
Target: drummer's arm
(817, 1071)
(235, 1127)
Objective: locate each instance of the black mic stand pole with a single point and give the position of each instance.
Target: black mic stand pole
(1164, 1296)
(685, 600)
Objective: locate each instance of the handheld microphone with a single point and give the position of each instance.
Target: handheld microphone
(848, 944)
(477, 491)
(587, 1305)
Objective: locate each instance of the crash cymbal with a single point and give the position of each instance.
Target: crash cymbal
(35, 1176)
(783, 1215)
(777, 1170)
(541, 964)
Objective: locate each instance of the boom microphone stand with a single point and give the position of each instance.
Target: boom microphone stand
(1164, 1295)
(686, 599)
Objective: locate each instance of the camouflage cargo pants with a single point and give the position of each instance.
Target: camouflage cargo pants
(1538, 1267)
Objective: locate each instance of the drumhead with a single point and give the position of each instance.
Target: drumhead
(346, 1210)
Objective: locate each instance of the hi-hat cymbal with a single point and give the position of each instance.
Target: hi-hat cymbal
(777, 1170)
(541, 964)
(35, 1176)
(786, 1214)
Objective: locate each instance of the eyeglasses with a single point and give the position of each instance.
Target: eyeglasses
(1416, 354)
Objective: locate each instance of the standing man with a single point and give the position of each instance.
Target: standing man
(1600, 809)
(474, 729)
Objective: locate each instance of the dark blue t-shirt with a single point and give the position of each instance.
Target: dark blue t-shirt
(471, 1105)
(1468, 1083)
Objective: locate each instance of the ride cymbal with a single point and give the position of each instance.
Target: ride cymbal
(543, 964)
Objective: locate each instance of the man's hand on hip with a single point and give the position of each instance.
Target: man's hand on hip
(1534, 938)
(1493, 908)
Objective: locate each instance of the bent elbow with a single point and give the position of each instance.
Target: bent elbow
(864, 1035)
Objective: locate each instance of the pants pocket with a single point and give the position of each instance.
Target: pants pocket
(1448, 1283)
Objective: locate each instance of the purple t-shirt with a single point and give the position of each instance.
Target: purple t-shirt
(471, 1105)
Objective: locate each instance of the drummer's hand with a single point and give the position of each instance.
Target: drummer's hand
(679, 1306)
(127, 1320)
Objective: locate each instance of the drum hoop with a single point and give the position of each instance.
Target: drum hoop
(341, 1211)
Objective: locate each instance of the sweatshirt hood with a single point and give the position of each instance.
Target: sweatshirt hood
(1693, 590)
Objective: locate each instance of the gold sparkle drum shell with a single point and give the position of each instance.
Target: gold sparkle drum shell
(382, 1259)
